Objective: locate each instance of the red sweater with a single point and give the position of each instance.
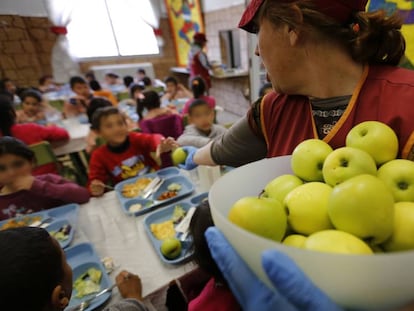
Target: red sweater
(384, 94)
(48, 191)
(112, 166)
(32, 133)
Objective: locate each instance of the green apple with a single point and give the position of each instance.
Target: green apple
(295, 240)
(262, 216)
(335, 241)
(398, 175)
(376, 138)
(171, 248)
(279, 187)
(308, 157)
(178, 156)
(402, 237)
(307, 208)
(347, 162)
(364, 207)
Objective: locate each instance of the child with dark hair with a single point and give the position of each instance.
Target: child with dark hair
(32, 264)
(216, 295)
(125, 154)
(128, 80)
(79, 103)
(32, 108)
(47, 84)
(95, 104)
(151, 102)
(98, 91)
(201, 129)
(29, 133)
(21, 192)
(198, 87)
(174, 91)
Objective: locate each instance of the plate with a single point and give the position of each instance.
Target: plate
(80, 258)
(60, 216)
(170, 175)
(164, 215)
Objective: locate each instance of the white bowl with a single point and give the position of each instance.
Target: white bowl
(374, 282)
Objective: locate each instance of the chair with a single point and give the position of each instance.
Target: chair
(168, 125)
(57, 104)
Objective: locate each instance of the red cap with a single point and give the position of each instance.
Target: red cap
(199, 37)
(340, 10)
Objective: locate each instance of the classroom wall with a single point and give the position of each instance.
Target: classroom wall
(25, 48)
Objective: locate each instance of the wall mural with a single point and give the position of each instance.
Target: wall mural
(185, 20)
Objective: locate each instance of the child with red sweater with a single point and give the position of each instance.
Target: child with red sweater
(22, 193)
(29, 133)
(125, 154)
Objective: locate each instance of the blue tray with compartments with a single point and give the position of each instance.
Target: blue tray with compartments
(165, 214)
(170, 175)
(80, 258)
(59, 216)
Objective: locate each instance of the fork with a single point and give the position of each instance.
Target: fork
(184, 225)
(85, 304)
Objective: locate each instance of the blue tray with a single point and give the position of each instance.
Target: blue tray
(66, 214)
(80, 258)
(164, 215)
(170, 175)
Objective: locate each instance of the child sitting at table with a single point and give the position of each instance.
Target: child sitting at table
(198, 87)
(30, 133)
(21, 192)
(79, 103)
(125, 154)
(36, 276)
(174, 91)
(152, 104)
(32, 109)
(201, 129)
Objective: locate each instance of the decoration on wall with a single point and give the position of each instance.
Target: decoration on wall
(406, 9)
(185, 20)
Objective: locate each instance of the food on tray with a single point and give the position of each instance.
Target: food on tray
(164, 230)
(171, 248)
(63, 233)
(178, 214)
(135, 208)
(167, 195)
(20, 222)
(108, 263)
(134, 189)
(174, 187)
(88, 283)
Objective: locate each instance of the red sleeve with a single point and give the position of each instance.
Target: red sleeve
(146, 143)
(96, 167)
(53, 133)
(56, 187)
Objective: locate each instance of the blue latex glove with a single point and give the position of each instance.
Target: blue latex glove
(294, 290)
(189, 161)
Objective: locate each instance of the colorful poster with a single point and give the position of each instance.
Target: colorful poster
(185, 20)
(406, 9)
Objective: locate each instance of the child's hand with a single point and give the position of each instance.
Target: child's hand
(22, 183)
(166, 145)
(129, 285)
(97, 188)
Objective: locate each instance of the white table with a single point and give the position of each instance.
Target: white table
(77, 142)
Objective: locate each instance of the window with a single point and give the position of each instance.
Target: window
(104, 28)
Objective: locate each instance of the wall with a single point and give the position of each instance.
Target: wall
(25, 48)
(162, 63)
(214, 5)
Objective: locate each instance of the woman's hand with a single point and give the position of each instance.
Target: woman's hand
(97, 188)
(129, 285)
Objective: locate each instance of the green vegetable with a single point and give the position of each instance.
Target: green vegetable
(88, 283)
(174, 187)
(58, 235)
(178, 214)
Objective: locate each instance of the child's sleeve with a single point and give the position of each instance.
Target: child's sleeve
(149, 144)
(56, 187)
(53, 133)
(97, 169)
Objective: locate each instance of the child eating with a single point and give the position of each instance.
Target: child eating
(22, 193)
(125, 154)
(32, 110)
(201, 129)
(79, 103)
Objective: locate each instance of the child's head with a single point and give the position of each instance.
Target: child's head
(198, 87)
(8, 85)
(34, 273)
(7, 115)
(46, 80)
(90, 76)
(79, 86)
(136, 91)
(201, 115)
(150, 101)
(111, 78)
(95, 104)
(111, 125)
(141, 74)
(266, 88)
(95, 85)
(171, 85)
(147, 82)
(16, 159)
(31, 102)
(128, 80)
(200, 222)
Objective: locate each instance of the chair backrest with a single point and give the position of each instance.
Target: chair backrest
(44, 153)
(57, 104)
(168, 125)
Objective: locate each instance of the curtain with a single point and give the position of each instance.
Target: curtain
(63, 64)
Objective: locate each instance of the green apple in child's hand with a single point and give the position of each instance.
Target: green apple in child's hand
(171, 248)
(279, 187)
(308, 158)
(364, 207)
(335, 241)
(262, 216)
(179, 156)
(402, 237)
